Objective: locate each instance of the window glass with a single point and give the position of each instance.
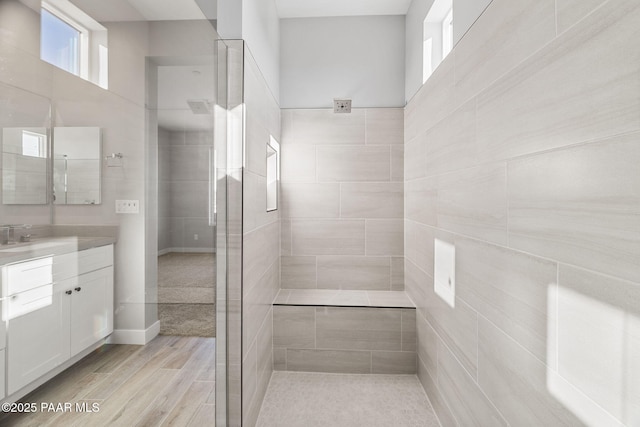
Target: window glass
(33, 144)
(59, 43)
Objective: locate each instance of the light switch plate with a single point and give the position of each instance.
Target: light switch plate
(128, 206)
(444, 277)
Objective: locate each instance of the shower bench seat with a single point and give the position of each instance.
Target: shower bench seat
(362, 332)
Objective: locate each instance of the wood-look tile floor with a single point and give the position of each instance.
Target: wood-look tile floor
(168, 382)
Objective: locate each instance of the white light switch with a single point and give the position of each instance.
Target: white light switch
(128, 206)
(444, 277)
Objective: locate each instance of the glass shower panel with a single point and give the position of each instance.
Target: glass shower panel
(229, 137)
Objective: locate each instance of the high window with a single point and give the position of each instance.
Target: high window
(437, 36)
(73, 41)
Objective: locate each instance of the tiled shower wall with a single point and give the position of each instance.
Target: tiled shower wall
(260, 243)
(522, 150)
(183, 179)
(342, 199)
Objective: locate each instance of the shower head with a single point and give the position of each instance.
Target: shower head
(199, 106)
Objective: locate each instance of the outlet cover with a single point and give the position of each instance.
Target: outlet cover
(128, 206)
(341, 105)
(444, 277)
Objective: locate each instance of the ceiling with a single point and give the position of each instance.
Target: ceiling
(140, 10)
(178, 84)
(159, 10)
(319, 8)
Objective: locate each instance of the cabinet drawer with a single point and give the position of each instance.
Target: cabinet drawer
(27, 275)
(77, 263)
(25, 302)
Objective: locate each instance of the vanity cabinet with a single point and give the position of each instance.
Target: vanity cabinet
(50, 323)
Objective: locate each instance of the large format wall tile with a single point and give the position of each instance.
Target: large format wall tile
(553, 99)
(261, 238)
(451, 144)
(260, 248)
(445, 416)
(428, 344)
(419, 244)
(371, 200)
(351, 163)
(457, 327)
(525, 26)
(384, 126)
(310, 200)
(573, 205)
(397, 163)
(415, 155)
(298, 272)
(324, 127)
(257, 304)
(461, 392)
(516, 381)
(298, 163)
(337, 361)
(569, 12)
(397, 273)
(347, 167)
(359, 328)
(511, 289)
(393, 362)
(421, 198)
(473, 202)
(294, 327)
(603, 313)
(327, 237)
(384, 237)
(409, 329)
(354, 272)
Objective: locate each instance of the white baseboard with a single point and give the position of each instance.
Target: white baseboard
(189, 250)
(135, 336)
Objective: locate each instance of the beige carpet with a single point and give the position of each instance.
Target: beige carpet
(186, 294)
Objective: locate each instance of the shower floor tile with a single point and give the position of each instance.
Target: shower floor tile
(301, 399)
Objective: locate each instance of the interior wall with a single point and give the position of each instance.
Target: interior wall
(522, 151)
(260, 241)
(256, 22)
(120, 113)
(342, 199)
(183, 185)
(361, 58)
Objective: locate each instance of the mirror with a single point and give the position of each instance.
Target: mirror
(272, 175)
(77, 161)
(24, 166)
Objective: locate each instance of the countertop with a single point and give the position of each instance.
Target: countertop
(49, 246)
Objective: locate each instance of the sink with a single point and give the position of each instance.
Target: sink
(31, 246)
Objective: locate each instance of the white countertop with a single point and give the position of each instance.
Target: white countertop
(49, 246)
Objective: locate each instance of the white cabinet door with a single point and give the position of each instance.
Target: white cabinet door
(38, 335)
(91, 309)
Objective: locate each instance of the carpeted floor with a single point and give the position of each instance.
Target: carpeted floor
(186, 294)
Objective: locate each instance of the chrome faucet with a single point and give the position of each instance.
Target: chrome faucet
(8, 233)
